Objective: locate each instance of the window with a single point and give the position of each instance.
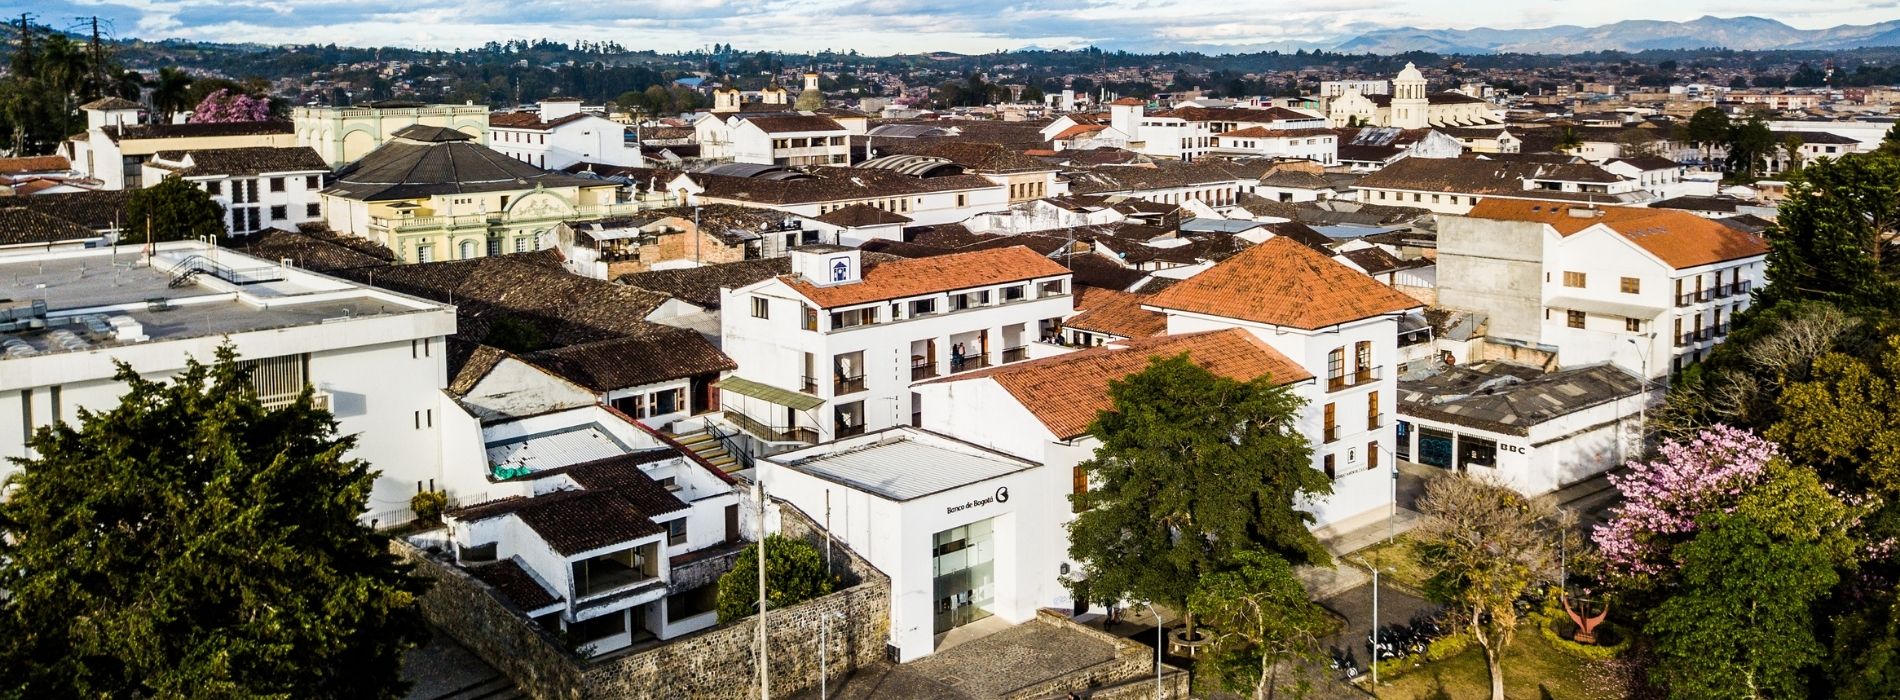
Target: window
(1079, 485)
(849, 418)
(1476, 451)
(1573, 279)
(676, 532)
(276, 184)
(761, 308)
(1632, 285)
(521, 244)
(1372, 411)
(313, 210)
(963, 200)
(468, 248)
(1362, 362)
(1574, 318)
(214, 187)
(1332, 428)
(692, 602)
(1633, 325)
(923, 307)
(1372, 455)
(853, 318)
(425, 253)
(1015, 293)
(1331, 473)
(1050, 288)
(311, 182)
(810, 320)
(279, 212)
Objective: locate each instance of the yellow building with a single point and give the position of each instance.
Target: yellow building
(433, 193)
(344, 134)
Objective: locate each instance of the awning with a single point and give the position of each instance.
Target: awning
(1606, 308)
(770, 394)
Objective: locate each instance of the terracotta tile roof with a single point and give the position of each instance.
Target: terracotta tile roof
(35, 164)
(659, 354)
(1078, 130)
(529, 120)
(1066, 392)
(830, 184)
(1115, 312)
(1679, 238)
(1130, 101)
(943, 273)
(515, 584)
(1478, 176)
(974, 155)
(1284, 283)
(699, 286)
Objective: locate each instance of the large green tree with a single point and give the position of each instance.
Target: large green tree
(1740, 625)
(1265, 626)
(1750, 143)
(189, 542)
(1193, 470)
(1834, 237)
(1707, 127)
(173, 209)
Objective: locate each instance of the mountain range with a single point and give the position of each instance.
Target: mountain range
(1740, 33)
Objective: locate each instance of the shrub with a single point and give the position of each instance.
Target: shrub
(794, 573)
(428, 505)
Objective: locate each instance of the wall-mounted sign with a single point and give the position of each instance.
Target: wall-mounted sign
(1001, 496)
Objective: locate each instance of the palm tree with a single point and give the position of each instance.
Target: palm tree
(170, 93)
(1568, 139)
(128, 85)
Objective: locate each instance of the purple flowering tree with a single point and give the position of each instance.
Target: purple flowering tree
(224, 106)
(1662, 498)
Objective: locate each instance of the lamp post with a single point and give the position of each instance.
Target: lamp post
(1160, 642)
(824, 645)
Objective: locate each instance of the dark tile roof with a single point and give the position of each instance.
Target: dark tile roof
(1698, 203)
(514, 583)
(19, 225)
(1376, 261)
(201, 130)
(1509, 399)
(1818, 137)
(788, 123)
(981, 157)
(857, 215)
(572, 522)
(1160, 175)
(1350, 153)
(700, 286)
(419, 164)
(833, 184)
(99, 210)
(530, 120)
(1648, 162)
(903, 250)
(1097, 271)
(1304, 234)
(107, 103)
(318, 250)
(1235, 114)
(657, 354)
(247, 161)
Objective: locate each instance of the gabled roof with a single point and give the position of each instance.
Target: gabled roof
(35, 164)
(790, 123)
(1474, 176)
(659, 354)
(943, 273)
(1066, 392)
(829, 184)
(19, 225)
(1283, 282)
(856, 215)
(1679, 238)
(253, 160)
(1115, 312)
(111, 103)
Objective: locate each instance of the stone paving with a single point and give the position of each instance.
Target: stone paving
(981, 668)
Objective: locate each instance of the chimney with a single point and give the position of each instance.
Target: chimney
(552, 109)
(827, 266)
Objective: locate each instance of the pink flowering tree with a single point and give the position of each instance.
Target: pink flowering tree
(1662, 498)
(225, 106)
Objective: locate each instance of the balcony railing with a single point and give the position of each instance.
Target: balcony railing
(847, 385)
(1332, 434)
(1719, 330)
(770, 434)
(850, 430)
(1015, 354)
(969, 363)
(923, 370)
(1361, 376)
(1375, 421)
(808, 385)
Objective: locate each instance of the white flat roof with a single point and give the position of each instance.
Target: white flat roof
(556, 448)
(905, 468)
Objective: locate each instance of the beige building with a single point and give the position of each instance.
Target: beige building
(1409, 106)
(114, 148)
(343, 134)
(433, 193)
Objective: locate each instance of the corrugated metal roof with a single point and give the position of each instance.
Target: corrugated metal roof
(557, 448)
(905, 469)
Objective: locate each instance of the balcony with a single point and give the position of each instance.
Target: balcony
(847, 385)
(923, 370)
(970, 363)
(1375, 421)
(769, 434)
(1015, 354)
(1360, 377)
(1331, 434)
(808, 385)
(1719, 330)
(616, 571)
(848, 431)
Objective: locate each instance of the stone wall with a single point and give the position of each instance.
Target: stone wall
(853, 623)
(1130, 673)
(469, 611)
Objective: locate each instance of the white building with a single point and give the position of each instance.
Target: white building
(1317, 145)
(1651, 290)
(926, 200)
(1536, 431)
(832, 349)
(258, 187)
(113, 149)
(1454, 186)
(592, 524)
(559, 134)
(1409, 106)
(375, 358)
(964, 532)
(789, 138)
(1186, 133)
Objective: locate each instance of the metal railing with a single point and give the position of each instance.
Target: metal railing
(847, 385)
(924, 370)
(732, 443)
(969, 363)
(769, 434)
(1359, 377)
(808, 385)
(1015, 354)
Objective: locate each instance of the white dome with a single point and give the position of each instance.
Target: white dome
(1410, 74)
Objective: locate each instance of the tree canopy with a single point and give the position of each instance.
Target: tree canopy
(1193, 469)
(794, 573)
(172, 210)
(1834, 236)
(190, 543)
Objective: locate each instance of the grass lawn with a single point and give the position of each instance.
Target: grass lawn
(1533, 670)
(1396, 562)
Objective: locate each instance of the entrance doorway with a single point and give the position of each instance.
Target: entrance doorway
(963, 564)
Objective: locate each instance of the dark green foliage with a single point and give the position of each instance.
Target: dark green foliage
(172, 210)
(1194, 470)
(1740, 624)
(1833, 237)
(1261, 618)
(794, 573)
(190, 543)
(1750, 143)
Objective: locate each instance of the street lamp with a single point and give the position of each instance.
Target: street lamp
(824, 645)
(1160, 641)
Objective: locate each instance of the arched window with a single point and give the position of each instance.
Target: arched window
(468, 249)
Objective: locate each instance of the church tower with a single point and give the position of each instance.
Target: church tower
(1410, 106)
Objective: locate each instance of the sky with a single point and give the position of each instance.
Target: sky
(882, 26)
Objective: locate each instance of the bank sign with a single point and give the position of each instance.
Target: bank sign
(1001, 496)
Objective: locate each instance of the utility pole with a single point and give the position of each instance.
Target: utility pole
(98, 49)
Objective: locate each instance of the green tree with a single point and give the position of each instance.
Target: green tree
(1488, 545)
(794, 573)
(1193, 470)
(1749, 145)
(1890, 144)
(1740, 624)
(1791, 147)
(1567, 139)
(1834, 236)
(1707, 127)
(1264, 625)
(172, 210)
(190, 543)
(171, 92)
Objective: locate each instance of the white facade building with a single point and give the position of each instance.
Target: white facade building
(560, 134)
(1186, 133)
(833, 349)
(259, 188)
(375, 358)
(789, 138)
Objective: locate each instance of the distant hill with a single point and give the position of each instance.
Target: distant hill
(1740, 33)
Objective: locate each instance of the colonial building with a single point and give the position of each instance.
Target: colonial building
(259, 187)
(790, 138)
(1409, 106)
(928, 197)
(1186, 133)
(112, 151)
(343, 134)
(678, 237)
(560, 134)
(433, 193)
(1454, 186)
